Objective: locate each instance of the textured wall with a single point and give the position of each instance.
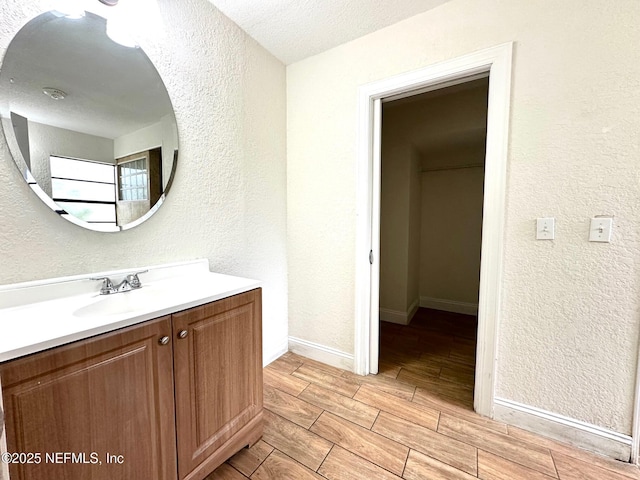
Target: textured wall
(228, 200)
(568, 336)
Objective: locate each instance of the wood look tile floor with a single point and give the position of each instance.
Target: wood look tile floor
(414, 420)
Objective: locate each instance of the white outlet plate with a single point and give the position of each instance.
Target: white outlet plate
(600, 229)
(546, 228)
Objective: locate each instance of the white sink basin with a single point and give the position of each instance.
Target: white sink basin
(123, 303)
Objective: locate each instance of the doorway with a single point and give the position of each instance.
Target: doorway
(496, 62)
(432, 175)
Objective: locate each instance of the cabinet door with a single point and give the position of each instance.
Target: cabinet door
(218, 381)
(109, 395)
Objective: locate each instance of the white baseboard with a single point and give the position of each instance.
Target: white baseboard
(564, 429)
(449, 305)
(323, 354)
(396, 316)
(393, 316)
(276, 353)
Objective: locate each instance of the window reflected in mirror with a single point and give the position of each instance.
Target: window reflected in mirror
(103, 193)
(140, 185)
(132, 180)
(84, 189)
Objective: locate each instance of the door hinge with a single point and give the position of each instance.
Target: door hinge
(371, 257)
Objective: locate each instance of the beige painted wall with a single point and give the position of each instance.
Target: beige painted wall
(394, 224)
(451, 234)
(415, 221)
(228, 199)
(568, 336)
(399, 224)
(138, 141)
(400, 202)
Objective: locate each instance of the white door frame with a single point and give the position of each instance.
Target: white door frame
(495, 61)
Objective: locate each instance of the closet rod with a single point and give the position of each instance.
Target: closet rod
(438, 169)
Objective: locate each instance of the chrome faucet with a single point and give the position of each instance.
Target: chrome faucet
(130, 282)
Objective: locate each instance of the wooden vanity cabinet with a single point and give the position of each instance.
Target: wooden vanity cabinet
(174, 397)
(218, 380)
(109, 394)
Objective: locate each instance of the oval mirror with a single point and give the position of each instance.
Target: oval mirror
(88, 121)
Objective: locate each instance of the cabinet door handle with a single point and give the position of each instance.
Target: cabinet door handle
(163, 340)
(183, 334)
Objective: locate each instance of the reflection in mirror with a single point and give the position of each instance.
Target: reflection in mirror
(88, 122)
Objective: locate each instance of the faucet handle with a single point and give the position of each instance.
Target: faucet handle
(107, 285)
(133, 279)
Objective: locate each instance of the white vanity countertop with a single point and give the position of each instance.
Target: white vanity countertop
(35, 316)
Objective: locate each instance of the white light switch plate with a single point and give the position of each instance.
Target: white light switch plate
(545, 228)
(600, 230)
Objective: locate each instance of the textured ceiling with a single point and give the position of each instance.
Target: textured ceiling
(295, 29)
